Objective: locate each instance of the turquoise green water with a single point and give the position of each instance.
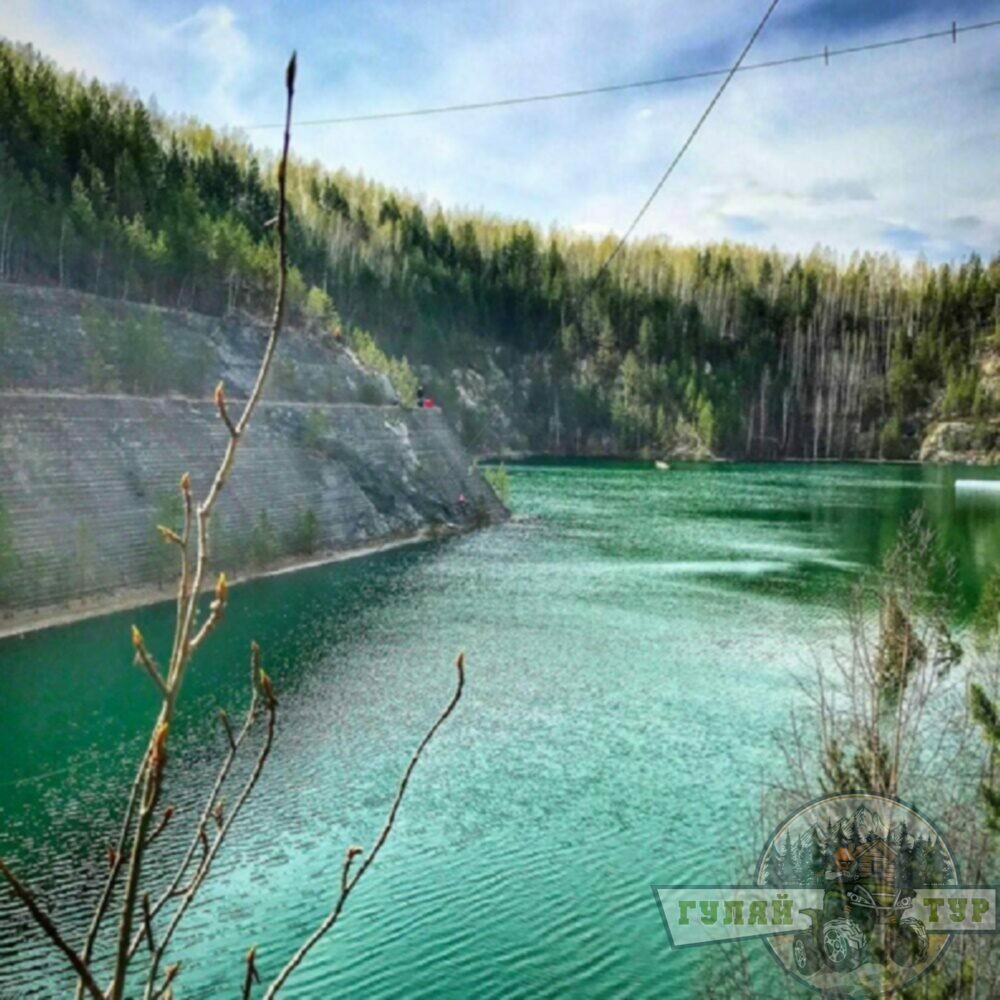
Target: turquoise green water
(631, 636)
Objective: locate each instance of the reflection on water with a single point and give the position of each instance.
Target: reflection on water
(630, 638)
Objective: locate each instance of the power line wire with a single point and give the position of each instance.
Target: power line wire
(730, 73)
(505, 102)
(687, 142)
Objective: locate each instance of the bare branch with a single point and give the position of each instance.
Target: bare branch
(117, 860)
(155, 763)
(43, 921)
(168, 814)
(216, 610)
(200, 838)
(182, 653)
(349, 855)
(206, 864)
(189, 593)
(143, 658)
(147, 920)
(347, 882)
(220, 405)
(228, 727)
(252, 975)
(165, 992)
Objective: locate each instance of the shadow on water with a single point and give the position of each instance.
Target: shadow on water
(81, 690)
(863, 514)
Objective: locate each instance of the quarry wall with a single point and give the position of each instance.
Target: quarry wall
(88, 472)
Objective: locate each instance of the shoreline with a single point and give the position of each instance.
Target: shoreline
(21, 622)
(526, 457)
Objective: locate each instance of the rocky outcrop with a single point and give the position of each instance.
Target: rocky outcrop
(686, 445)
(989, 378)
(970, 440)
(56, 340)
(86, 476)
(967, 442)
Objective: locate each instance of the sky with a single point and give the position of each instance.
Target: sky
(896, 150)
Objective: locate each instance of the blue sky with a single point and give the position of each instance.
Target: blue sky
(897, 150)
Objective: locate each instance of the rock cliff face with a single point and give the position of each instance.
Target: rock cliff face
(500, 414)
(85, 476)
(53, 340)
(966, 442)
(969, 440)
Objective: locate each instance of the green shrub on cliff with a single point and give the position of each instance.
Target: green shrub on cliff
(316, 429)
(143, 359)
(8, 320)
(8, 554)
(304, 536)
(496, 476)
(891, 439)
(399, 372)
(960, 393)
(706, 422)
(125, 352)
(318, 310)
(263, 541)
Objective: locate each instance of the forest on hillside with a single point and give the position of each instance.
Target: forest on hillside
(723, 348)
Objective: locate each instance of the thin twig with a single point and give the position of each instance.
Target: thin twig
(216, 610)
(185, 579)
(200, 839)
(147, 920)
(220, 405)
(144, 659)
(348, 883)
(227, 726)
(43, 921)
(116, 867)
(252, 975)
(168, 815)
(206, 864)
(190, 588)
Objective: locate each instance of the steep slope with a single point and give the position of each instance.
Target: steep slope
(85, 475)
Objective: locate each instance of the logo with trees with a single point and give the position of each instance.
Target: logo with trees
(854, 895)
(884, 875)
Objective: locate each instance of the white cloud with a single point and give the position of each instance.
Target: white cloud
(201, 62)
(213, 40)
(845, 155)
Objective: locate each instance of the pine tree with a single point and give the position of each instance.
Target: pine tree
(776, 875)
(818, 859)
(984, 711)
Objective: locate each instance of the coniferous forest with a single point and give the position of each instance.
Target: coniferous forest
(723, 348)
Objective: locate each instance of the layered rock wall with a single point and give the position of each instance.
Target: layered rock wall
(86, 476)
